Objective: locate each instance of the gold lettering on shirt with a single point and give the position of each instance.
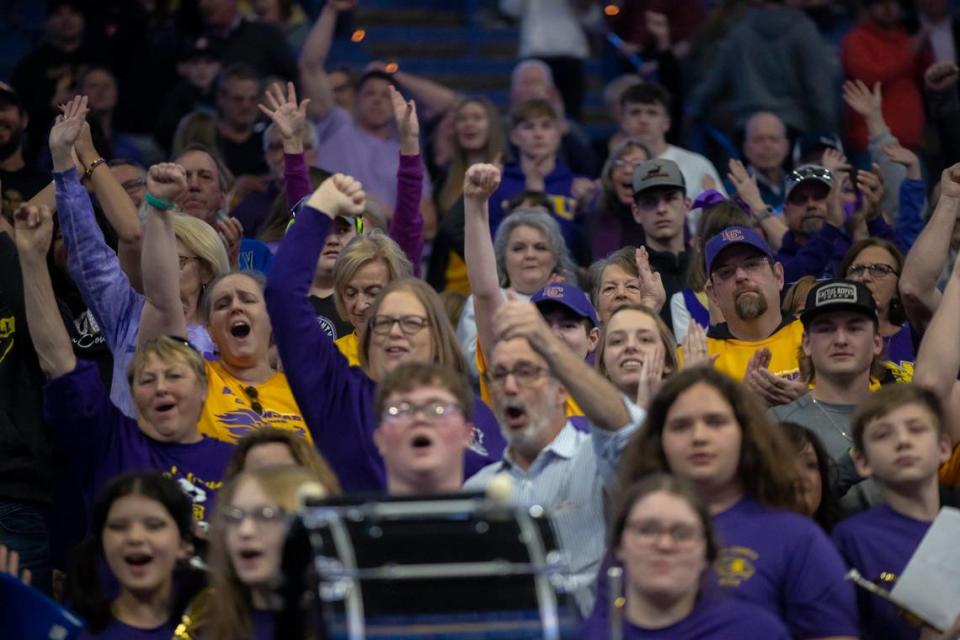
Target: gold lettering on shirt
(735, 565)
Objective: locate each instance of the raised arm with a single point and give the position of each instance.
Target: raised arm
(290, 118)
(34, 231)
(313, 58)
(407, 226)
(479, 183)
(163, 312)
(601, 402)
(432, 96)
(924, 262)
(119, 209)
(748, 191)
(938, 359)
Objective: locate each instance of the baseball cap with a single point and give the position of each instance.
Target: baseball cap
(658, 172)
(9, 97)
(838, 295)
(568, 296)
(201, 47)
(814, 143)
(733, 236)
(807, 173)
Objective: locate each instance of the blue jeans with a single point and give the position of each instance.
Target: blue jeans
(24, 530)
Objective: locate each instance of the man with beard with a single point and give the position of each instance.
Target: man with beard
(756, 343)
(553, 464)
(18, 180)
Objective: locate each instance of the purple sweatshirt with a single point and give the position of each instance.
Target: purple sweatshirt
(820, 256)
(95, 269)
(335, 399)
(406, 225)
(103, 442)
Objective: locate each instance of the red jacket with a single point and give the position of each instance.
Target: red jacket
(871, 54)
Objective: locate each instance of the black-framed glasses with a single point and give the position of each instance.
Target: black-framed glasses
(878, 270)
(234, 516)
(649, 531)
(433, 410)
(524, 373)
(254, 396)
(409, 325)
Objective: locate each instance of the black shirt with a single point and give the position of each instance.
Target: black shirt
(21, 185)
(673, 273)
(262, 46)
(26, 463)
(328, 318)
(247, 157)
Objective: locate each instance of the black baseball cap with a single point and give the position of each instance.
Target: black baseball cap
(838, 295)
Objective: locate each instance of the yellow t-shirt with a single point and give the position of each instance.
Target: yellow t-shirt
(734, 354)
(573, 409)
(349, 346)
(228, 413)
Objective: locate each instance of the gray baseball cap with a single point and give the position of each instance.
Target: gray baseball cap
(658, 172)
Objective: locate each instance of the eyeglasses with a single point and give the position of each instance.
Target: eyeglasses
(875, 270)
(183, 260)
(405, 412)
(234, 516)
(409, 325)
(750, 265)
(524, 374)
(254, 396)
(648, 532)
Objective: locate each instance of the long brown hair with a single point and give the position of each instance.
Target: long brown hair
(446, 349)
(453, 185)
(761, 471)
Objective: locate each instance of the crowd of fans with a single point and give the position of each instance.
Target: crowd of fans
(232, 268)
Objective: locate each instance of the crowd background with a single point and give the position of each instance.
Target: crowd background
(641, 256)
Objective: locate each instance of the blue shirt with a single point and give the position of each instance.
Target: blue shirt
(568, 478)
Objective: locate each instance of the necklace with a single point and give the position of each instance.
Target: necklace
(833, 423)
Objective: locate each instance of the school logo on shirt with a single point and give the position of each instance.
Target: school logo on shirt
(196, 489)
(735, 565)
(327, 326)
(476, 444)
(242, 420)
(8, 329)
(902, 372)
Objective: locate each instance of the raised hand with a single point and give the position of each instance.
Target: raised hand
(408, 126)
(651, 376)
(695, 347)
(518, 319)
(65, 131)
(903, 156)
(835, 161)
(745, 184)
(870, 184)
(652, 294)
(33, 230)
(658, 26)
(289, 117)
(861, 99)
(10, 563)
(950, 183)
(339, 195)
(166, 180)
(583, 188)
(86, 152)
(941, 76)
(480, 181)
(230, 231)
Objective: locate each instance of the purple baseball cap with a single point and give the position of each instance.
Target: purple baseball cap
(568, 296)
(733, 236)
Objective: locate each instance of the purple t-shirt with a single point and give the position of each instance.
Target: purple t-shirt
(116, 630)
(874, 542)
(103, 442)
(712, 618)
(264, 623)
(900, 352)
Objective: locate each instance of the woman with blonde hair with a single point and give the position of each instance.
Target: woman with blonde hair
(364, 267)
(246, 549)
(405, 323)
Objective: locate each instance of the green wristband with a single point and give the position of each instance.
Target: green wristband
(157, 203)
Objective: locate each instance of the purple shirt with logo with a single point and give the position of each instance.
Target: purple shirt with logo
(876, 542)
(713, 618)
(104, 442)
